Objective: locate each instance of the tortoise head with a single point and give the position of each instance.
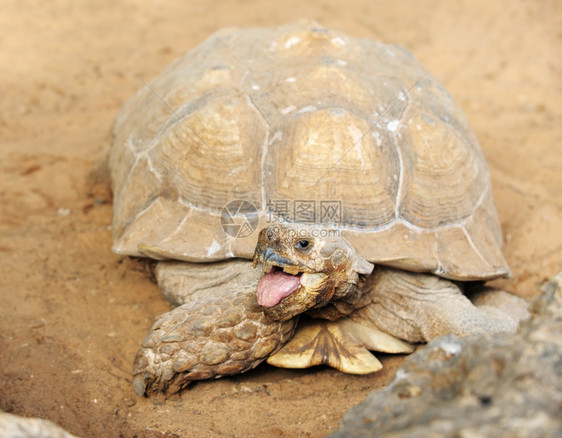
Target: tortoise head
(305, 267)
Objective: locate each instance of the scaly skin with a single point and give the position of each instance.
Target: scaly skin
(219, 328)
(223, 331)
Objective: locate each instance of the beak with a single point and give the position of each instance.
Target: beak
(269, 257)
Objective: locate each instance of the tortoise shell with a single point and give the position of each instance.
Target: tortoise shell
(303, 124)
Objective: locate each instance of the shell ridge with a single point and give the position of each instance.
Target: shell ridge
(117, 244)
(265, 148)
(178, 228)
(471, 242)
(400, 182)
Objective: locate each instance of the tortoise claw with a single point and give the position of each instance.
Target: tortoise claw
(139, 384)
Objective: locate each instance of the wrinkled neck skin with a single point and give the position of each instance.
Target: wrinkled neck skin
(347, 298)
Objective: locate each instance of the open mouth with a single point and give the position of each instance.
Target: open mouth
(278, 282)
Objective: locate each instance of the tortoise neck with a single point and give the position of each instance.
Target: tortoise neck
(347, 298)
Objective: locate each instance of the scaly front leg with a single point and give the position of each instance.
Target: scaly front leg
(219, 331)
(418, 307)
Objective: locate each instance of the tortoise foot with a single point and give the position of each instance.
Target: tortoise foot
(342, 344)
(206, 340)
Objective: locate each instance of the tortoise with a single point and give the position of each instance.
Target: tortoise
(335, 163)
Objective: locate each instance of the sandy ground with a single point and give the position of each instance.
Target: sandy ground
(72, 313)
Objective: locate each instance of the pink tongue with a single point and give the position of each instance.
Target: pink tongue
(275, 286)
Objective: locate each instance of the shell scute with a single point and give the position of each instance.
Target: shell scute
(303, 114)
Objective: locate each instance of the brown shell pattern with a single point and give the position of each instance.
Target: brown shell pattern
(307, 125)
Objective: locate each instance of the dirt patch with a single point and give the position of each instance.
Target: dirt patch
(73, 314)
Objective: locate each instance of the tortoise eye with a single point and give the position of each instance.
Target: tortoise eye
(303, 244)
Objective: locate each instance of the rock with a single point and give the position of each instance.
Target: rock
(14, 426)
(508, 386)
